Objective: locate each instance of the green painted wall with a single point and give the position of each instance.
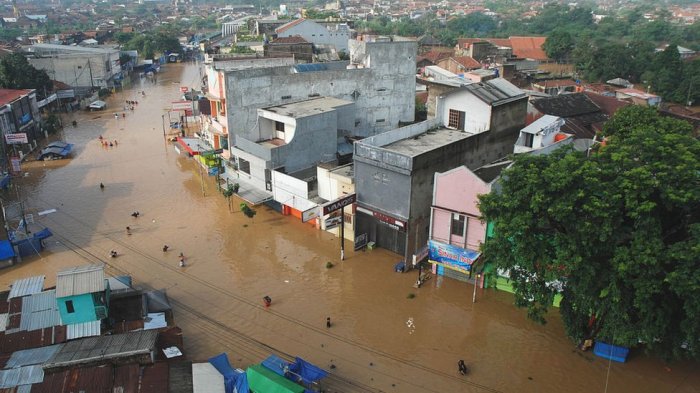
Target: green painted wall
(84, 309)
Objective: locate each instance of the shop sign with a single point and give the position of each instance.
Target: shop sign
(360, 241)
(16, 163)
(452, 256)
(386, 219)
(310, 214)
(339, 203)
(182, 105)
(17, 138)
(332, 222)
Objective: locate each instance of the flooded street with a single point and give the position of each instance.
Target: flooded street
(380, 340)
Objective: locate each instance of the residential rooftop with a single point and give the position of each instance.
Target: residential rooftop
(427, 141)
(308, 107)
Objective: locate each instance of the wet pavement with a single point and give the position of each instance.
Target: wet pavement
(380, 339)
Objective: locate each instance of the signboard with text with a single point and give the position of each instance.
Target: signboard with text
(338, 204)
(16, 164)
(14, 139)
(182, 105)
(452, 256)
(360, 241)
(310, 214)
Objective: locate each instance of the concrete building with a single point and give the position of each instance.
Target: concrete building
(20, 127)
(79, 67)
(215, 130)
(544, 132)
(476, 124)
(293, 138)
(335, 181)
(297, 47)
(82, 294)
(379, 80)
(336, 35)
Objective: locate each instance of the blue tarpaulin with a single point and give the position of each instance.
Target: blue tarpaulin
(221, 363)
(307, 371)
(5, 181)
(234, 381)
(276, 365)
(6, 250)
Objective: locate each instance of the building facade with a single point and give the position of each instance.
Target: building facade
(336, 35)
(82, 294)
(20, 123)
(394, 171)
(76, 66)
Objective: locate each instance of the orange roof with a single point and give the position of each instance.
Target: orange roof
(436, 55)
(467, 62)
(528, 47)
(7, 96)
(289, 25)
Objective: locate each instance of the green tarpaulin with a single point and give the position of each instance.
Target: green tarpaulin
(262, 380)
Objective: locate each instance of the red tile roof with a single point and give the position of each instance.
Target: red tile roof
(9, 95)
(467, 62)
(528, 47)
(436, 55)
(289, 25)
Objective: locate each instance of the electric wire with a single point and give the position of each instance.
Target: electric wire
(285, 317)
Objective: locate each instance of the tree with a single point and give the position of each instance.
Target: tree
(668, 70)
(619, 231)
(559, 45)
(17, 73)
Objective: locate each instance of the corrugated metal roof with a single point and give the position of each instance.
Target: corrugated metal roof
(30, 357)
(85, 329)
(104, 347)
(39, 311)
(3, 322)
(495, 91)
(21, 376)
(26, 286)
(24, 389)
(80, 280)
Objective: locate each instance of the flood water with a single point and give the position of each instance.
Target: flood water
(380, 340)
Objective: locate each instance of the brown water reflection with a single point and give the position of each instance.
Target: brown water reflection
(380, 338)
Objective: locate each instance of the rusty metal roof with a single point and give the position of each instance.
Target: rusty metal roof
(80, 280)
(26, 286)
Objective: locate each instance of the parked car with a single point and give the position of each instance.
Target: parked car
(97, 105)
(55, 151)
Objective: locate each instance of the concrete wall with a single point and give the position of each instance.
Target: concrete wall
(83, 306)
(315, 138)
(75, 70)
(384, 94)
(319, 34)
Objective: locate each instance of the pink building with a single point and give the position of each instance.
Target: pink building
(456, 229)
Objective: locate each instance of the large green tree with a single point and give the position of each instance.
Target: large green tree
(559, 45)
(17, 73)
(618, 229)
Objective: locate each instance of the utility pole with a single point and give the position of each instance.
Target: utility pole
(91, 80)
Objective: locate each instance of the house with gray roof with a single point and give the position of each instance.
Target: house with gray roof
(82, 294)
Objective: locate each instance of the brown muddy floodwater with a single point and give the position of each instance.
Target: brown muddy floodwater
(380, 339)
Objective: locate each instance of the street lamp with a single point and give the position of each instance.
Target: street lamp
(163, 123)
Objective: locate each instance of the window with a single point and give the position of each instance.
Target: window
(529, 139)
(69, 307)
(456, 119)
(348, 218)
(279, 126)
(286, 97)
(458, 222)
(244, 165)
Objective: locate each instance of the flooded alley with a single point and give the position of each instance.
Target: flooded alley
(380, 338)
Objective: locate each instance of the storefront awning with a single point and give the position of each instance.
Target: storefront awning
(246, 191)
(193, 146)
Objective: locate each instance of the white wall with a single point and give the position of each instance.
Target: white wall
(477, 113)
(319, 34)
